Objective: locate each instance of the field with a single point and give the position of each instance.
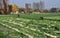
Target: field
(30, 26)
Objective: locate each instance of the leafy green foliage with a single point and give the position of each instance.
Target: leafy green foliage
(30, 26)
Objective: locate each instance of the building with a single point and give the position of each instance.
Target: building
(38, 5)
(35, 5)
(27, 8)
(3, 6)
(27, 5)
(41, 5)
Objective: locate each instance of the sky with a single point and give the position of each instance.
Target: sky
(47, 3)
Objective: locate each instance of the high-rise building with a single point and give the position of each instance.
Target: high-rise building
(35, 5)
(41, 5)
(38, 5)
(27, 5)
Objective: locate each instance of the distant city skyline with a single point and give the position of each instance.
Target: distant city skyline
(48, 3)
(38, 5)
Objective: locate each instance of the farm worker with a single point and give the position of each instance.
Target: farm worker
(41, 18)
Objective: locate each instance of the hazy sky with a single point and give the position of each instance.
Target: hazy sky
(48, 3)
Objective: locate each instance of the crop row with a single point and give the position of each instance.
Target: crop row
(33, 28)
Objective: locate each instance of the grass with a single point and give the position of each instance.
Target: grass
(30, 25)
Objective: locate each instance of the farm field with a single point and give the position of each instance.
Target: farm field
(30, 26)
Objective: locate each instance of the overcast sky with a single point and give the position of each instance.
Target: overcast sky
(48, 3)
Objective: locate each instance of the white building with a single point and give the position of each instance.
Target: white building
(38, 5)
(41, 5)
(35, 5)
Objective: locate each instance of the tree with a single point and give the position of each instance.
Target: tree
(53, 10)
(15, 8)
(46, 11)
